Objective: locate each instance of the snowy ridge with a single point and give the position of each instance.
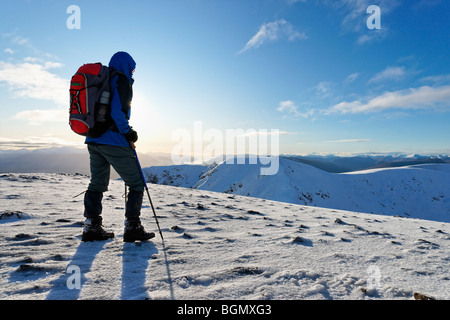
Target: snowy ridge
(419, 191)
(217, 246)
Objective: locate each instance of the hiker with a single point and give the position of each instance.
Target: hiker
(114, 148)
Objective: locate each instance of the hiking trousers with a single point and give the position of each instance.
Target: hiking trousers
(122, 159)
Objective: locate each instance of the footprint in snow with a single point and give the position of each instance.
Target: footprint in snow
(13, 196)
(339, 221)
(253, 212)
(177, 229)
(244, 271)
(201, 207)
(302, 241)
(21, 237)
(11, 216)
(210, 229)
(425, 244)
(27, 272)
(187, 235)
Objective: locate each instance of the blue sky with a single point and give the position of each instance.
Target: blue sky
(309, 68)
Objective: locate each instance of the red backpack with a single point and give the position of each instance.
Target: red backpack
(90, 100)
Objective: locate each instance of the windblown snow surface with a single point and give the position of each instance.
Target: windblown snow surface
(216, 246)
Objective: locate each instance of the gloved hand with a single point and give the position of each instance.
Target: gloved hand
(131, 135)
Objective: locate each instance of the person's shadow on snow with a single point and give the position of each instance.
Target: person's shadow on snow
(69, 285)
(135, 260)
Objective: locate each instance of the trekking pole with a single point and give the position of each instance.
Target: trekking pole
(125, 195)
(146, 189)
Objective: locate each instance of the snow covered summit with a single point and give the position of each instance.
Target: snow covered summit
(419, 191)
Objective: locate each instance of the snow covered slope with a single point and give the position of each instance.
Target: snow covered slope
(217, 246)
(420, 191)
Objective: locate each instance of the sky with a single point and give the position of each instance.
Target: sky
(330, 76)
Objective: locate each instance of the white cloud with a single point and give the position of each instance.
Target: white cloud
(273, 31)
(390, 73)
(288, 107)
(52, 65)
(348, 140)
(373, 35)
(36, 117)
(252, 133)
(439, 79)
(354, 10)
(413, 98)
(291, 110)
(32, 79)
(351, 78)
(17, 40)
(35, 142)
(324, 88)
(354, 17)
(295, 1)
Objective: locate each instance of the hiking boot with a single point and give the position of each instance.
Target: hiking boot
(134, 231)
(93, 230)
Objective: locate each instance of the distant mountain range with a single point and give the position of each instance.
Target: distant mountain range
(61, 160)
(75, 160)
(417, 191)
(413, 186)
(338, 164)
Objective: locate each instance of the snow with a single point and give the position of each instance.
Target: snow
(419, 191)
(217, 246)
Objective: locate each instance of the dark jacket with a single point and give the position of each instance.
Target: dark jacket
(122, 95)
